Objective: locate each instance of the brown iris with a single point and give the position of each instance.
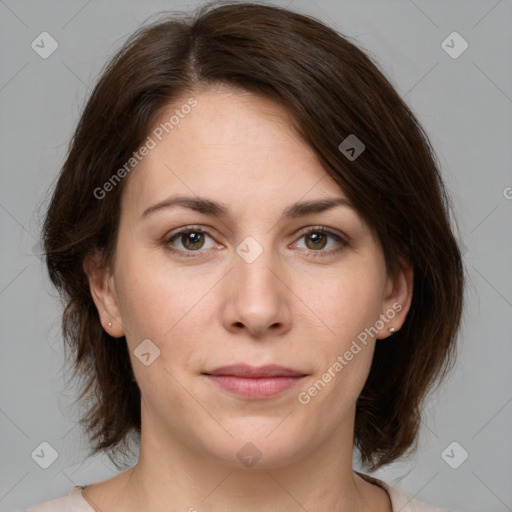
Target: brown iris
(192, 240)
(319, 240)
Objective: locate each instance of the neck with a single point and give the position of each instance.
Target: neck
(172, 474)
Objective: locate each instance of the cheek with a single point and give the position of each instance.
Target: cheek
(150, 298)
(341, 369)
(348, 302)
(164, 305)
(348, 306)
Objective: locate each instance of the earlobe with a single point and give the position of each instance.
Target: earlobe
(398, 299)
(101, 285)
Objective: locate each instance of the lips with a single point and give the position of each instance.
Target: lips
(254, 383)
(253, 372)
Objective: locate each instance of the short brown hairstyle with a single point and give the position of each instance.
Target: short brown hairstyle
(332, 89)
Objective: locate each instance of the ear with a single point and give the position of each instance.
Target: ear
(397, 299)
(101, 283)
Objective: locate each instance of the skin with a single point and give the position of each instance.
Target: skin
(292, 306)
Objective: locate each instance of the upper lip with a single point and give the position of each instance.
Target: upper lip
(244, 370)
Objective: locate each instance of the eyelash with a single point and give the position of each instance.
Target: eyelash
(309, 231)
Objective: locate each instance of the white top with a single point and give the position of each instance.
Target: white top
(75, 502)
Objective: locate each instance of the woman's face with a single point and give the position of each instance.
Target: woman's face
(253, 282)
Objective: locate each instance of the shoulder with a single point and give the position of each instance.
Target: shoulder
(400, 501)
(73, 502)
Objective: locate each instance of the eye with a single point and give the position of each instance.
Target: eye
(317, 239)
(191, 239)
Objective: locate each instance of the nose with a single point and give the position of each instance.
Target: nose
(257, 298)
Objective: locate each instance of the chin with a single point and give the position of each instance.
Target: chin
(259, 445)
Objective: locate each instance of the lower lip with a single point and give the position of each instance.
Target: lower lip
(264, 387)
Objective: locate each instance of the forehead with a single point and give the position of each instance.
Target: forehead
(232, 145)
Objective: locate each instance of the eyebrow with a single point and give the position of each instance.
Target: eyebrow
(210, 207)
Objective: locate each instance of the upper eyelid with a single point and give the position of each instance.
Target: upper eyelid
(325, 229)
(185, 229)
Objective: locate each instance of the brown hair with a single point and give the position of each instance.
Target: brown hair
(331, 89)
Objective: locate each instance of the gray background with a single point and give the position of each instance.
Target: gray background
(465, 104)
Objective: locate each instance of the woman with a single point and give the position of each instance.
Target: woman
(253, 240)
